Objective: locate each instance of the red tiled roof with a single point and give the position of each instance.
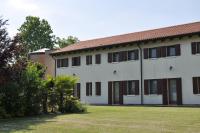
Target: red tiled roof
(134, 37)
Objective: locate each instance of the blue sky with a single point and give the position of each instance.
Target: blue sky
(88, 19)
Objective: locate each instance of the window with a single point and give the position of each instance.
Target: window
(133, 55)
(153, 52)
(98, 88)
(62, 62)
(153, 87)
(88, 59)
(76, 61)
(116, 57)
(131, 88)
(89, 89)
(98, 59)
(76, 91)
(195, 47)
(162, 51)
(171, 51)
(196, 85)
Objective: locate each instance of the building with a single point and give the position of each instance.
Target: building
(43, 56)
(160, 66)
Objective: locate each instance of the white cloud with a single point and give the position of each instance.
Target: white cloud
(25, 5)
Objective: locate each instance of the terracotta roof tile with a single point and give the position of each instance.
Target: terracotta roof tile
(135, 37)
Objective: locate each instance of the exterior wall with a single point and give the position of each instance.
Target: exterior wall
(46, 60)
(185, 66)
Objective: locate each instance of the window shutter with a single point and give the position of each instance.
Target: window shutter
(121, 91)
(98, 59)
(163, 51)
(136, 52)
(87, 89)
(87, 60)
(79, 61)
(90, 89)
(158, 52)
(159, 86)
(164, 92)
(58, 63)
(193, 47)
(125, 55)
(146, 87)
(98, 88)
(195, 85)
(136, 87)
(178, 50)
(179, 91)
(109, 92)
(124, 86)
(109, 57)
(146, 53)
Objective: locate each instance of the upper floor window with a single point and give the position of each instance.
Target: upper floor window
(196, 85)
(76, 61)
(153, 52)
(123, 56)
(62, 63)
(163, 51)
(89, 89)
(195, 47)
(98, 59)
(88, 59)
(133, 55)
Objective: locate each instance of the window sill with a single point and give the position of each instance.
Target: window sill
(197, 94)
(131, 95)
(62, 67)
(74, 66)
(152, 95)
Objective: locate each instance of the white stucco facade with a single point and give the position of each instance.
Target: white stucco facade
(184, 66)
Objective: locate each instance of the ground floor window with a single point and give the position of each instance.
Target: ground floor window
(89, 89)
(76, 91)
(196, 85)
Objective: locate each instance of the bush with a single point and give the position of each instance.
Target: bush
(3, 113)
(73, 105)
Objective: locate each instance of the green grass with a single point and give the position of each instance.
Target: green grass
(111, 119)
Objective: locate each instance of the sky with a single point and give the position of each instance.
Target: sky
(89, 19)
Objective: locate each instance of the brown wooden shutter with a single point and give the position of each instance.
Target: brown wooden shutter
(98, 88)
(163, 51)
(160, 86)
(109, 57)
(146, 87)
(179, 91)
(178, 50)
(136, 52)
(90, 89)
(158, 49)
(164, 92)
(79, 90)
(121, 89)
(58, 63)
(198, 47)
(87, 89)
(146, 53)
(125, 55)
(136, 87)
(110, 84)
(98, 59)
(87, 60)
(125, 84)
(195, 85)
(193, 47)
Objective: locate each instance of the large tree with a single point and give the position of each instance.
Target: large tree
(36, 33)
(63, 42)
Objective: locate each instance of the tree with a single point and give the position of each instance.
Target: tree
(66, 41)
(64, 87)
(36, 34)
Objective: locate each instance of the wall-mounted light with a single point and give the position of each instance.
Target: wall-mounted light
(170, 68)
(114, 72)
(74, 74)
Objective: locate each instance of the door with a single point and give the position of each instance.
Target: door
(116, 92)
(172, 91)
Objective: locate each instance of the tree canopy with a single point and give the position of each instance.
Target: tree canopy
(36, 33)
(63, 42)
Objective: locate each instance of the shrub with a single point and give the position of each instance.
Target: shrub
(73, 105)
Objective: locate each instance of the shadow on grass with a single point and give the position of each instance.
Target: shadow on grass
(26, 123)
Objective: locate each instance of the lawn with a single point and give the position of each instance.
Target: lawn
(111, 119)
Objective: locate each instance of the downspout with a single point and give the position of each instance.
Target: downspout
(141, 73)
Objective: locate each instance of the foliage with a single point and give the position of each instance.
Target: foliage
(63, 42)
(36, 34)
(64, 87)
(73, 105)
